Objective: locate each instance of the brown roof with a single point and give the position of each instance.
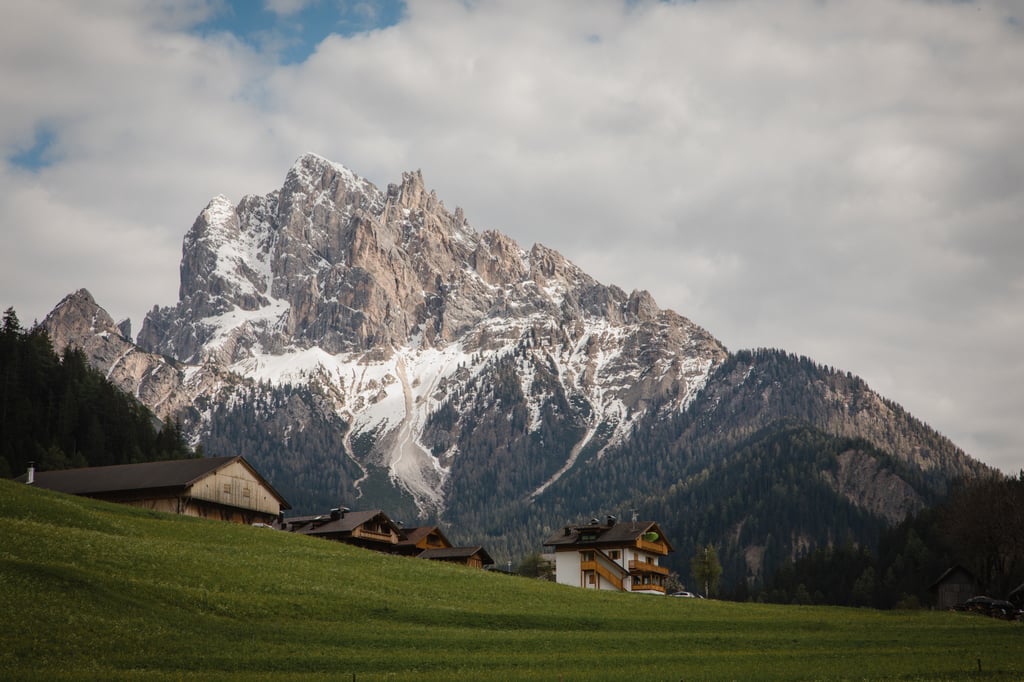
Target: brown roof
(955, 571)
(410, 536)
(344, 524)
(171, 475)
(599, 534)
(456, 553)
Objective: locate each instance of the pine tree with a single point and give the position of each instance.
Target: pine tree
(706, 569)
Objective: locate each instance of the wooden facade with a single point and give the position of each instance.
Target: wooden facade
(421, 538)
(221, 488)
(954, 587)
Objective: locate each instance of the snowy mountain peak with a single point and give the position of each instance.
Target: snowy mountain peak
(311, 168)
(388, 305)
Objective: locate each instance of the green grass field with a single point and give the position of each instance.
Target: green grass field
(90, 590)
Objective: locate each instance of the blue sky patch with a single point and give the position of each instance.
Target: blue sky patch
(40, 154)
(294, 36)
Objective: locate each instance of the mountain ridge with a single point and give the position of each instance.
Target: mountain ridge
(372, 344)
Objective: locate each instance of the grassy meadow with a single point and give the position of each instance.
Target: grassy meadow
(91, 590)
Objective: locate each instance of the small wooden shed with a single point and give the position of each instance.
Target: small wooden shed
(954, 587)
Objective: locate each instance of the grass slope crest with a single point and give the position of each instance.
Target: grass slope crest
(97, 591)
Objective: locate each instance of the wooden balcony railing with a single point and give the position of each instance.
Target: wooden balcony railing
(652, 547)
(648, 588)
(373, 535)
(644, 567)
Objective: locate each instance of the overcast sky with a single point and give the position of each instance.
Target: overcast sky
(843, 180)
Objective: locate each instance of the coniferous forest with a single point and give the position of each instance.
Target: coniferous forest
(980, 527)
(59, 412)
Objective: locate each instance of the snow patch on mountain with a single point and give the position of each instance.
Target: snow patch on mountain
(385, 305)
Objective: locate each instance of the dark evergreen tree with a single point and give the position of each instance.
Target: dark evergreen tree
(59, 412)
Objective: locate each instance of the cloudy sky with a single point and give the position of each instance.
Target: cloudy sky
(844, 180)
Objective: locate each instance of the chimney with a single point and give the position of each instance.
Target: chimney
(335, 514)
(611, 520)
(31, 477)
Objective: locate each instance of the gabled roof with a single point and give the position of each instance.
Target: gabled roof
(411, 536)
(343, 525)
(949, 573)
(457, 553)
(176, 474)
(603, 534)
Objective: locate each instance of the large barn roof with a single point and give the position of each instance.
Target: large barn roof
(173, 474)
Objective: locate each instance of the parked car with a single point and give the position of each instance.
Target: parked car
(684, 593)
(996, 608)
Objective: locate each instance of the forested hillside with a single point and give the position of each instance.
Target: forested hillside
(979, 527)
(59, 412)
(777, 457)
(298, 447)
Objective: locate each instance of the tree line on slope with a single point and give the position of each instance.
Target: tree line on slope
(59, 412)
(980, 526)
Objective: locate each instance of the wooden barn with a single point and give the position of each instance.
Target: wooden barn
(954, 587)
(223, 488)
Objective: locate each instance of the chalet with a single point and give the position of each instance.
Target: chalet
(224, 488)
(611, 556)
(954, 587)
(370, 529)
(475, 557)
(415, 541)
(374, 530)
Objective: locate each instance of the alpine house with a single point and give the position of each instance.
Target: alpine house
(611, 556)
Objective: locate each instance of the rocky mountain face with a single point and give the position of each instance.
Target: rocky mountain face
(370, 348)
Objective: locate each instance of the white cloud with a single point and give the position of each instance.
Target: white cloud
(837, 179)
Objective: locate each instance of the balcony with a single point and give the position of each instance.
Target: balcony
(376, 536)
(647, 588)
(644, 567)
(652, 547)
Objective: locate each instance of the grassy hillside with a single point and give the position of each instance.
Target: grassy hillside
(91, 590)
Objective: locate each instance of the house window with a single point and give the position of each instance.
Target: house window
(227, 488)
(615, 554)
(246, 492)
(591, 578)
(587, 556)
